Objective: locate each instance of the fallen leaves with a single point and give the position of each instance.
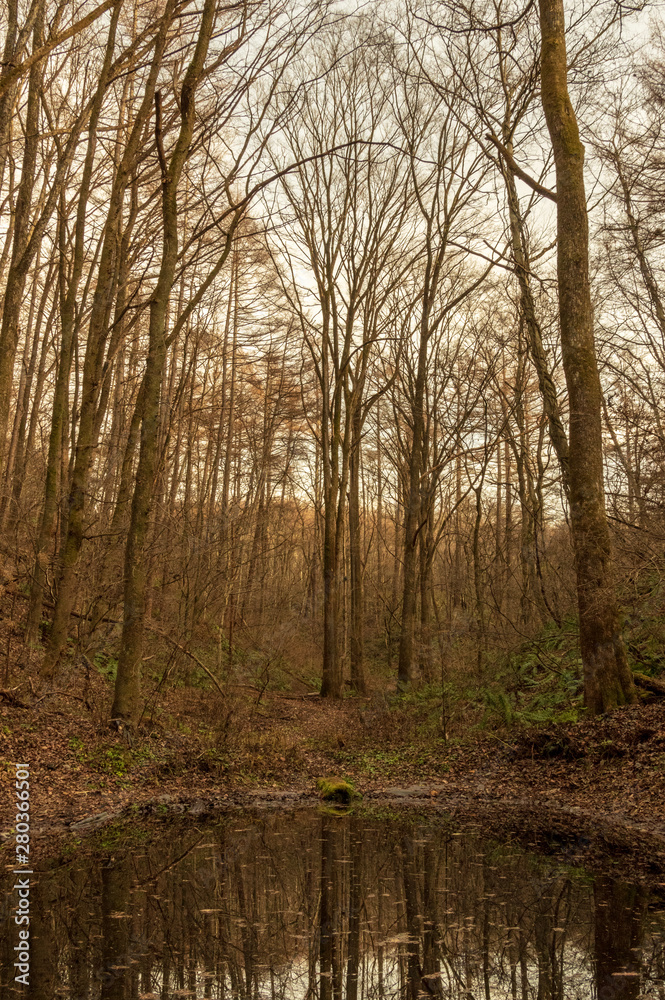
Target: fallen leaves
(612, 767)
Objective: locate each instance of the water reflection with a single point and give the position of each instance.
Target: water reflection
(318, 906)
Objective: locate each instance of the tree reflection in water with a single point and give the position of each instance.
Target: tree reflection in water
(304, 905)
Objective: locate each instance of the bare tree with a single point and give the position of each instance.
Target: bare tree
(446, 194)
(607, 677)
(350, 209)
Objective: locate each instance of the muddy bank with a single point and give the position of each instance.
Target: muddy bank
(576, 836)
(595, 787)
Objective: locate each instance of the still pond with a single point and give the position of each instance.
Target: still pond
(305, 904)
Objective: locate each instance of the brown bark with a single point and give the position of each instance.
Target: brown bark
(607, 677)
(9, 55)
(531, 597)
(23, 248)
(356, 633)
(528, 308)
(230, 413)
(125, 703)
(413, 498)
(478, 580)
(16, 458)
(68, 298)
(93, 369)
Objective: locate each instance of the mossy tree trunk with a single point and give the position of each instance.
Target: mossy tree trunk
(607, 677)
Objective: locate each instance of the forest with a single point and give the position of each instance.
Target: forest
(332, 499)
(332, 356)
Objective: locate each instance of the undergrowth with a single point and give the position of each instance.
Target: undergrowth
(538, 684)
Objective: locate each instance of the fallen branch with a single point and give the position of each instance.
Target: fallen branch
(295, 697)
(290, 673)
(649, 683)
(8, 695)
(59, 694)
(183, 649)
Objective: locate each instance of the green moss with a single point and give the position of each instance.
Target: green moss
(336, 790)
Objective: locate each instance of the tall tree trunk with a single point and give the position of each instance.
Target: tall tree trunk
(13, 466)
(124, 493)
(478, 579)
(398, 519)
(9, 55)
(531, 597)
(68, 298)
(458, 587)
(411, 516)
(380, 527)
(93, 370)
(126, 699)
(607, 677)
(230, 412)
(546, 383)
(500, 576)
(21, 255)
(331, 680)
(221, 429)
(36, 374)
(356, 650)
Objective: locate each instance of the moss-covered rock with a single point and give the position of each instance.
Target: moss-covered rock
(336, 790)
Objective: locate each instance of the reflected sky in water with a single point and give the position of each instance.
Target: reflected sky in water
(310, 905)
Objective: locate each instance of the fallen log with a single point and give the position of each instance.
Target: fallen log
(649, 683)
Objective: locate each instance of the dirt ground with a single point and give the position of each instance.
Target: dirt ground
(598, 784)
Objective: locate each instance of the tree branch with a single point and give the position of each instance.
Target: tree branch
(16, 72)
(517, 170)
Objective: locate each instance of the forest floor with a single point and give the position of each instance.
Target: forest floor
(600, 782)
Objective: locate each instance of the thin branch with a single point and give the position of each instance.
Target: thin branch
(16, 72)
